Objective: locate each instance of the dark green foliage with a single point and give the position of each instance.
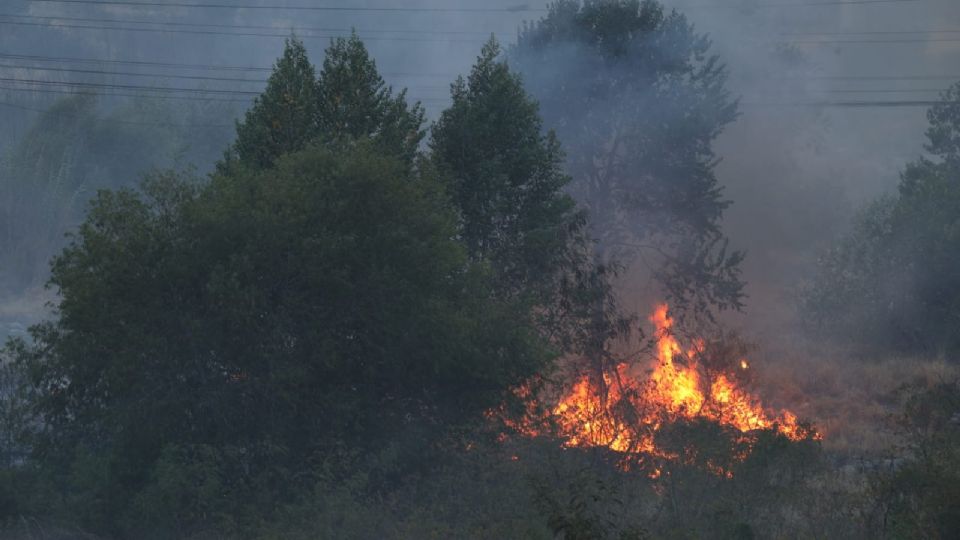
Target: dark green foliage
(507, 183)
(348, 100)
(506, 177)
(320, 303)
(637, 100)
(283, 118)
(355, 102)
(893, 281)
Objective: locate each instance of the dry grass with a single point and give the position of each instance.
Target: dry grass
(850, 400)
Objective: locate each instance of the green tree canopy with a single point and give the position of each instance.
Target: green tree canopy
(637, 100)
(354, 101)
(348, 99)
(283, 118)
(321, 302)
(506, 176)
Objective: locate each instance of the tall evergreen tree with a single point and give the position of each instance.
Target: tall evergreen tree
(506, 175)
(354, 101)
(283, 119)
(349, 100)
(507, 181)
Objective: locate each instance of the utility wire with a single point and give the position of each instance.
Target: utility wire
(853, 104)
(769, 4)
(166, 89)
(58, 88)
(168, 75)
(873, 33)
(214, 68)
(811, 104)
(47, 90)
(276, 26)
(216, 5)
(133, 74)
(848, 91)
(872, 41)
(522, 8)
(286, 25)
(209, 67)
(264, 81)
(131, 86)
(162, 75)
(450, 76)
(875, 77)
(117, 121)
(473, 42)
(237, 34)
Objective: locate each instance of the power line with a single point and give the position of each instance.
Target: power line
(253, 26)
(162, 75)
(427, 88)
(165, 91)
(450, 76)
(874, 77)
(39, 58)
(210, 67)
(773, 4)
(133, 74)
(521, 8)
(854, 104)
(117, 121)
(295, 29)
(114, 94)
(420, 40)
(236, 34)
(809, 104)
(874, 41)
(132, 86)
(213, 5)
(847, 91)
(873, 33)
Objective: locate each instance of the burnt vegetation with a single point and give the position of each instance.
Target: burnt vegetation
(363, 325)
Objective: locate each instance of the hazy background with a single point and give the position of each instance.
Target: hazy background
(796, 164)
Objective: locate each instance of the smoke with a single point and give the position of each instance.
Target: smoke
(797, 173)
(795, 168)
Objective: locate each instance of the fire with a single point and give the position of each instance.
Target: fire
(627, 408)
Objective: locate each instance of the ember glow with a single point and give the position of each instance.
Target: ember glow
(626, 410)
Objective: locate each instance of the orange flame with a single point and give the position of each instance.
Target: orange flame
(592, 414)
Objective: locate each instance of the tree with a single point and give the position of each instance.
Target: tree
(278, 314)
(283, 119)
(506, 180)
(506, 177)
(637, 101)
(892, 282)
(354, 101)
(348, 100)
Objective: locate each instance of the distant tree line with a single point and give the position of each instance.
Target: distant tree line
(894, 281)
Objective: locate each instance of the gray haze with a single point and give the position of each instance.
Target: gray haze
(794, 168)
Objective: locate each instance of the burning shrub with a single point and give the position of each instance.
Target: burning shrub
(642, 412)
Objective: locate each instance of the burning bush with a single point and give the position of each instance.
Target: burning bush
(648, 413)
